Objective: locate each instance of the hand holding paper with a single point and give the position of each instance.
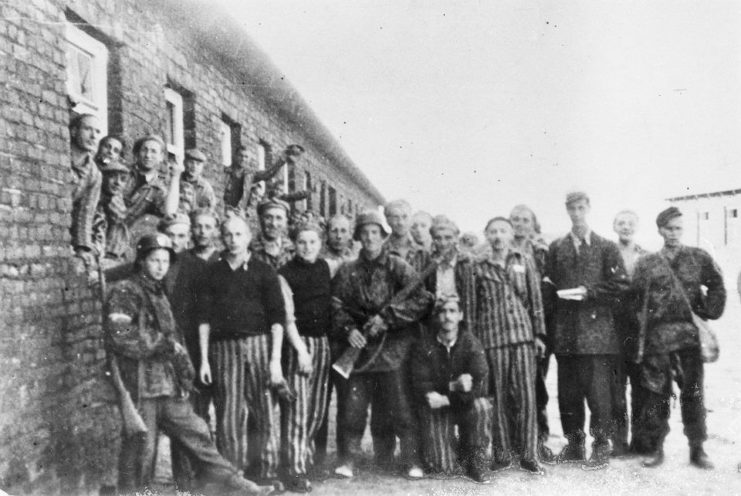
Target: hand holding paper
(574, 294)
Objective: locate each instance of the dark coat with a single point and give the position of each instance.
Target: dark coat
(586, 327)
(433, 368)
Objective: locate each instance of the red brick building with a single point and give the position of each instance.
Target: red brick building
(179, 68)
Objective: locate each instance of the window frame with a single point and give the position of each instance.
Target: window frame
(225, 142)
(98, 52)
(177, 147)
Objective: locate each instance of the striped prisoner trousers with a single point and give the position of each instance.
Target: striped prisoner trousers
(301, 419)
(443, 452)
(512, 387)
(241, 379)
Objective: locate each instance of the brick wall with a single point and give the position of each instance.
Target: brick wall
(58, 427)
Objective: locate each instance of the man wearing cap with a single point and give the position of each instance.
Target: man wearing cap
(148, 192)
(454, 275)
(111, 232)
(588, 271)
(241, 314)
(510, 325)
(141, 336)
(624, 225)
(528, 241)
(195, 191)
(243, 180)
(85, 181)
(363, 298)
(669, 287)
(449, 373)
(400, 243)
(272, 246)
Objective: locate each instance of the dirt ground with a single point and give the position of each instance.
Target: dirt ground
(623, 477)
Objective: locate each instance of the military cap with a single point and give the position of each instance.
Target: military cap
(273, 203)
(444, 299)
(441, 222)
(195, 154)
(154, 241)
(370, 217)
(576, 196)
(173, 219)
(150, 137)
(666, 215)
(114, 165)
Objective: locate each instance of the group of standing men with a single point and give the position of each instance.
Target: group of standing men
(443, 337)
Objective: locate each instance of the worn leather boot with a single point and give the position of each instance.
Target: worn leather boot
(699, 458)
(573, 452)
(600, 457)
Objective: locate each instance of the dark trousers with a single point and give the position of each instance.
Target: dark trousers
(657, 372)
(443, 451)
(625, 371)
(590, 378)
(183, 467)
(541, 398)
(175, 417)
(387, 393)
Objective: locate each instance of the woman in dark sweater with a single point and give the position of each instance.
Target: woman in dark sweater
(306, 287)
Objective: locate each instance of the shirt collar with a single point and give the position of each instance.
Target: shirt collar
(244, 263)
(577, 241)
(84, 163)
(448, 346)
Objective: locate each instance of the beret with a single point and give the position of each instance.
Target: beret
(195, 154)
(114, 165)
(443, 299)
(172, 219)
(272, 203)
(666, 215)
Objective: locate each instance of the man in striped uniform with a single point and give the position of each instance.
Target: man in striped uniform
(510, 325)
(241, 315)
(307, 359)
(448, 378)
(528, 241)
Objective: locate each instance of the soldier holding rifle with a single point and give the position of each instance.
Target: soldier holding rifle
(152, 368)
(364, 299)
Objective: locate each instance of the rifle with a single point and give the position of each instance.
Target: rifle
(133, 425)
(346, 363)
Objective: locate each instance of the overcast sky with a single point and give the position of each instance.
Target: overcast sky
(467, 108)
